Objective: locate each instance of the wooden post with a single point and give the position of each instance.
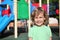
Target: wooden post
(15, 13)
(8, 25)
(40, 3)
(0, 1)
(59, 18)
(48, 7)
(29, 15)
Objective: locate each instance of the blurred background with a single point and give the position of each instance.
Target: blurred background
(23, 26)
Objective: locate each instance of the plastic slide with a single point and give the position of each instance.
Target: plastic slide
(4, 21)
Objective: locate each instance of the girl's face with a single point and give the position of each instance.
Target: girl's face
(39, 19)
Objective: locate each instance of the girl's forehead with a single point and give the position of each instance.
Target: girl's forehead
(39, 14)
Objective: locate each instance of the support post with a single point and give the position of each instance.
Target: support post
(15, 13)
(40, 3)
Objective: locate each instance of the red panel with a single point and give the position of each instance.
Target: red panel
(57, 11)
(36, 4)
(44, 6)
(6, 12)
(2, 0)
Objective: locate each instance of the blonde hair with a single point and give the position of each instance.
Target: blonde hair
(37, 11)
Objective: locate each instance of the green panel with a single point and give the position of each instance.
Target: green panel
(22, 10)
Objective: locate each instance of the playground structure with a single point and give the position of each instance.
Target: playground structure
(8, 12)
(13, 15)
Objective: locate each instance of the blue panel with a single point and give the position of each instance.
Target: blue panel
(31, 8)
(4, 20)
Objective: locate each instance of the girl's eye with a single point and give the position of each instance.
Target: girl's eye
(40, 17)
(36, 17)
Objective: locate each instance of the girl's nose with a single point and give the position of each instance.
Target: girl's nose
(38, 19)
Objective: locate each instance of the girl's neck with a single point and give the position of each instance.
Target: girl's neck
(38, 25)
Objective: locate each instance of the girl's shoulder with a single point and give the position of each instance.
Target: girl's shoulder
(48, 28)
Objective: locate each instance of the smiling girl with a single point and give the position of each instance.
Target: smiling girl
(39, 29)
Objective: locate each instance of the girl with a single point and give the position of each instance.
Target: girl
(39, 29)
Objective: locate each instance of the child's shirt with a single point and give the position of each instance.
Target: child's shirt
(40, 33)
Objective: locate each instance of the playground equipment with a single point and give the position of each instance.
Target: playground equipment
(22, 10)
(6, 15)
(31, 8)
(7, 18)
(21, 13)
